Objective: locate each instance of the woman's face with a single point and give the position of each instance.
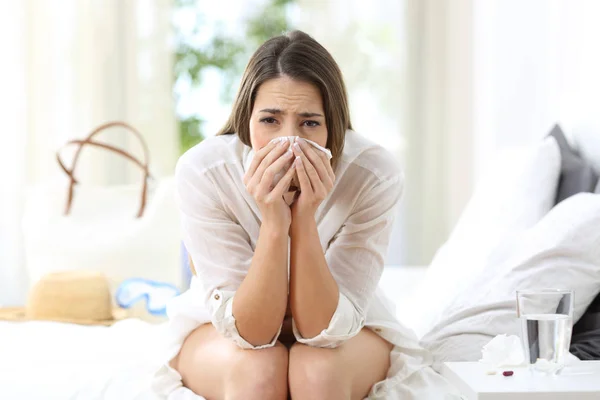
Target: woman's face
(287, 107)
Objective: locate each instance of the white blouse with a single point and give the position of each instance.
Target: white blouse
(221, 224)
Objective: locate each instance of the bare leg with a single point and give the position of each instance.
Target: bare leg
(344, 373)
(216, 368)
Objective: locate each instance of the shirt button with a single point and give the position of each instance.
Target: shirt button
(217, 297)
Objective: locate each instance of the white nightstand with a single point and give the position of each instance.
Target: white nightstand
(579, 381)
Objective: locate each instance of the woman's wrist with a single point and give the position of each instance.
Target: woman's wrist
(302, 213)
(274, 229)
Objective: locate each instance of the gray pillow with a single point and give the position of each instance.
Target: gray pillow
(585, 342)
(576, 174)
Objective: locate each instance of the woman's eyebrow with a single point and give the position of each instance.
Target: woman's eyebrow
(302, 114)
(309, 114)
(271, 110)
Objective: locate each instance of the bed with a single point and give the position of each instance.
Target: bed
(55, 361)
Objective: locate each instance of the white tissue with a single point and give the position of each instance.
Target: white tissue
(293, 139)
(503, 351)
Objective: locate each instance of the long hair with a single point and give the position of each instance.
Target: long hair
(298, 56)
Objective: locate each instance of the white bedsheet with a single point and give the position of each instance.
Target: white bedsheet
(47, 360)
(54, 361)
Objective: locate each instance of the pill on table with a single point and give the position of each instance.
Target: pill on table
(508, 373)
(490, 372)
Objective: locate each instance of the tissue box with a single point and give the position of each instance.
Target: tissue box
(576, 381)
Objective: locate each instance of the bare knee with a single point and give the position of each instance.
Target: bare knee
(316, 373)
(258, 374)
(216, 368)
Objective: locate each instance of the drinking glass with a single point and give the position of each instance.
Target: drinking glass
(546, 325)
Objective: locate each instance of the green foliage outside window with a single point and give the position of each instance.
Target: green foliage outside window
(223, 52)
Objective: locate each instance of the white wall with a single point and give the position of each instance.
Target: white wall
(536, 62)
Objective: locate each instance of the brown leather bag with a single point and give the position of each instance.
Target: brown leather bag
(89, 140)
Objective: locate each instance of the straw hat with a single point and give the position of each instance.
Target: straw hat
(78, 297)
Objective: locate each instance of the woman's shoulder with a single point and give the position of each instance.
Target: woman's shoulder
(211, 153)
(367, 155)
(210, 161)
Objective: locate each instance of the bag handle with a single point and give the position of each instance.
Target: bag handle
(89, 141)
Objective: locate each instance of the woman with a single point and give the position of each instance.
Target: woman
(287, 267)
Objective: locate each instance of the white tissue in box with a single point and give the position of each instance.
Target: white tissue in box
(503, 351)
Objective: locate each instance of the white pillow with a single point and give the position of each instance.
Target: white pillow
(561, 251)
(518, 189)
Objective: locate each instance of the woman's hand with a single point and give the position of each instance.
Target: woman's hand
(316, 179)
(267, 162)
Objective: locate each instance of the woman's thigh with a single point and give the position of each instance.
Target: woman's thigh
(216, 368)
(346, 372)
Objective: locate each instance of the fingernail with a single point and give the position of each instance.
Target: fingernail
(298, 160)
(288, 153)
(297, 147)
(282, 142)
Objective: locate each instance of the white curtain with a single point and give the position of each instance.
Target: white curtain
(13, 134)
(439, 122)
(69, 66)
(538, 63)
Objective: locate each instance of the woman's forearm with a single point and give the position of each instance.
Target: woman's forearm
(260, 302)
(314, 293)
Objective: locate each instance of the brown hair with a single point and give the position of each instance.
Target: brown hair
(298, 56)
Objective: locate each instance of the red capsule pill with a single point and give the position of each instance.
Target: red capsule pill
(508, 373)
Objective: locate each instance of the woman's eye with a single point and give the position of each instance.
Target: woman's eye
(268, 120)
(311, 124)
